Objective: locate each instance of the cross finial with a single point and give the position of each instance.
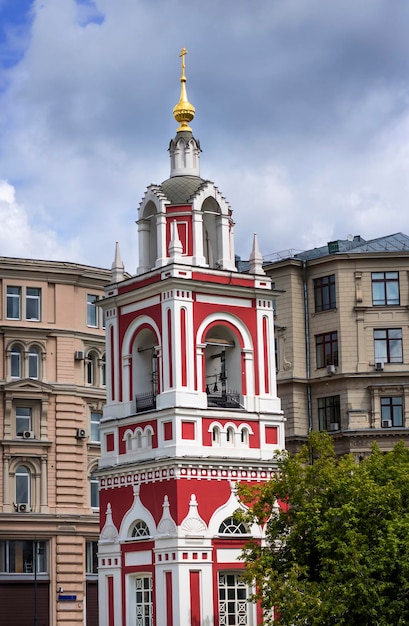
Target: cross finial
(183, 53)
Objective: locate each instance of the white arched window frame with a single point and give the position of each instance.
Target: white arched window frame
(138, 438)
(129, 439)
(245, 431)
(139, 530)
(230, 436)
(230, 526)
(148, 432)
(238, 355)
(215, 430)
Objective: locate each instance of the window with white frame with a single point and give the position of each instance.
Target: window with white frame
(94, 491)
(230, 526)
(230, 436)
(23, 484)
(140, 530)
(216, 435)
(92, 310)
(234, 606)
(13, 303)
(244, 436)
(33, 303)
(26, 299)
(33, 363)
(23, 420)
(91, 368)
(144, 600)
(15, 361)
(95, 419)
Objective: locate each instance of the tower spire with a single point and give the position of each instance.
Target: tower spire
(183, 112)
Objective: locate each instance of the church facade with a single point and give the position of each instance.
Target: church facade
(192, 407)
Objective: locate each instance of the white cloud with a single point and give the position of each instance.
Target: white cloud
(19, 238)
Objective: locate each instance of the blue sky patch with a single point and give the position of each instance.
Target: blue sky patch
(16, 18)
(88, 13)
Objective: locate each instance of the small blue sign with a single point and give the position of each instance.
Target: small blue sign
(66, 598)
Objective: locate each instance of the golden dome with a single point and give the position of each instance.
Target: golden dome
(183, 112)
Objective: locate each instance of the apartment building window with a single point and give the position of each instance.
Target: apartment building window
(329, 413)
(388, 345)
(23, 557)
(324, 293)
(95, 419)
(385, 288)
(391, 411)
(103, 371)
(13, 306)
(33, 363)
(15, 362)
(33, 299)
(23, 481)
(94, 491)
(21, 367)
(16, 297)
(23, 420)
(144, 600)
(327, 349)
(92, 311)
(92, 557)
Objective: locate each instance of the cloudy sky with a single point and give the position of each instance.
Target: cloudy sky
(302, 111)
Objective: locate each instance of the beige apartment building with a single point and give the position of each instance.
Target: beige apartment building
(342, 342)
(52, 392)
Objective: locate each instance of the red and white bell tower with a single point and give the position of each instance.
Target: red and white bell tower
(192, 407)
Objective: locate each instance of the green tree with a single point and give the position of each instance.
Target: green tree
(337, 547)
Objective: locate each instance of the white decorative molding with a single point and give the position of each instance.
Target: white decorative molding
(166, 525)
(193, 523)
(109, 533)
(137, 512)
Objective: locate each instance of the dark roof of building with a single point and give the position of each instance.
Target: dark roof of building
(180, 189)
(397, 242)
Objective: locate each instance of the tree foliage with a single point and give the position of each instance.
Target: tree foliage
(337, 547)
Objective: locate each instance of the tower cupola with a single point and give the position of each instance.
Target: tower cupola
(185, 218)
(184, 149)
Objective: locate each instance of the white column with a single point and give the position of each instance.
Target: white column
(197, 226)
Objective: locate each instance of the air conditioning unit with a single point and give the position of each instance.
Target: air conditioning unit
(331, 370)
(379, 366)
(386, 423)
(22, 508)
(78, 356)
(81, 433)
(333, 427)
(28, 434)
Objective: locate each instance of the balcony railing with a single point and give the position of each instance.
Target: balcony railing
(224, 399)
(145, 401)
